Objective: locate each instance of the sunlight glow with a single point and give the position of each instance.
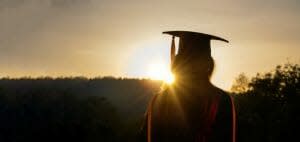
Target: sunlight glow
(160, 71)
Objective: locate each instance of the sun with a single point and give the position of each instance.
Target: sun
(160, 71)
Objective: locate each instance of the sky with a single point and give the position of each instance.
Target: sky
(122, 38)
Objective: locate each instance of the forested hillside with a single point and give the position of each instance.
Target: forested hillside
(46, 109)
(111, 109)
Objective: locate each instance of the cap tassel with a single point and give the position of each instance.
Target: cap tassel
(173, 50)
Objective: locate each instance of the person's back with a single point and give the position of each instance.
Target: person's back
(194, 116)
(192, 109)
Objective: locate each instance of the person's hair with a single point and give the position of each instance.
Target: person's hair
(210, 67)
(179, 67)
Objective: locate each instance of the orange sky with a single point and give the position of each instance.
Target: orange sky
(121, 38)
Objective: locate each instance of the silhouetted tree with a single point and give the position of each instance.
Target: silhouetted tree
(268, 109)
(241, 84)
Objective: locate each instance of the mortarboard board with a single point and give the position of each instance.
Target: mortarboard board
(192, 44)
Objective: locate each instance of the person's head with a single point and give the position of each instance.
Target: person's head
(193, 68)
(193, 60)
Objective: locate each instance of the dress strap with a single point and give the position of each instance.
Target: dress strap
(149, 117)
(233, 119)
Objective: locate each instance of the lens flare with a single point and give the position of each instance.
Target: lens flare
(160, 71)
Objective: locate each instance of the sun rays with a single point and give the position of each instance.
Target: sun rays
(160, 71)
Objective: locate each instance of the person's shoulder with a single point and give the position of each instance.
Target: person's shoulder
(160, 96)
(163, 98)
(164, 92)
(220, 92)
(223, 95)
(224, 105)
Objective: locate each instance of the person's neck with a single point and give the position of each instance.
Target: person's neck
(194, 82)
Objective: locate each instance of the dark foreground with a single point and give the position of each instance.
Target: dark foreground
(110, 109)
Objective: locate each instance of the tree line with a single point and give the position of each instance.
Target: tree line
(111, 109)
(268, 105)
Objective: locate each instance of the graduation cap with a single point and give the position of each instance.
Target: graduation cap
(191, 45)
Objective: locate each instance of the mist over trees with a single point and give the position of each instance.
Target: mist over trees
(111, 109)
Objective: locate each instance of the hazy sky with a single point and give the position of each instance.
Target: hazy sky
(122, 37)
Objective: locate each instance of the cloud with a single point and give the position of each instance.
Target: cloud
(11, 3)
(52, 3)
(26, 23)
(66, 3)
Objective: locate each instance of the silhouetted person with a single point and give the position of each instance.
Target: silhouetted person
(192, 109)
